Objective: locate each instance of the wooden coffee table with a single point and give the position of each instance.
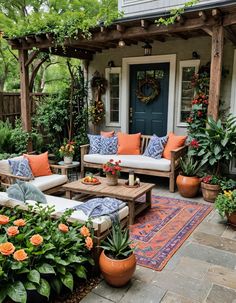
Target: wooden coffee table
(120, 191)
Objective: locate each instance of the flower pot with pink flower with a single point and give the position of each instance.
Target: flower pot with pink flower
(112, 170)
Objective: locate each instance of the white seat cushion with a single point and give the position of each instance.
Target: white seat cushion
(132, 161)
(61, 204)
(47, 182)
(5, 167)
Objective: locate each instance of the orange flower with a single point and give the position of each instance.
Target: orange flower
(19, 222)
(89, 243)
(36, 240)
(4, 220)
(12, 231)
(20, 255)
(63, 228)
(84, 231)
(7, 248)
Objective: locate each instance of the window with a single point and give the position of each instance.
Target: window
(186, 92)
(113, 75)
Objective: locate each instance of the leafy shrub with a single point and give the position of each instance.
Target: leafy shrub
(226, 203)
(5, 137)
(36, 249)
(19, 138)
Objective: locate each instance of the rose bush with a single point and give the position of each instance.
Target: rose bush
(40, 253)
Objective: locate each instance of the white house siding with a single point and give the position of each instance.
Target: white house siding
(183, 50)
(141, 7)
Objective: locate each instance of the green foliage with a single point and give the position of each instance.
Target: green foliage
(227, 184)
(189, 166)
(217, 145)
(175, 13)
(60, 257)
(19, 138)
(226, 203)
(118, 243)
(5, 136)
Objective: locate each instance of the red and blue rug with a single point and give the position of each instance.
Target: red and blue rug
(159, 233)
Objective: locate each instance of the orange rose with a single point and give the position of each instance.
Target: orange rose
(4, 220)
(63, 228)
(89, 243)
(84, 231)
(7, 248)
(12, 231)
(36, 240)
(19, 222)
(20, 255)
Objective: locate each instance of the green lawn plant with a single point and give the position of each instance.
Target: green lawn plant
(226, 203)
(118, 245)
(41, 254)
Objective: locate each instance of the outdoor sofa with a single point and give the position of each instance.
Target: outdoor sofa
(47, 184)
(139, 163)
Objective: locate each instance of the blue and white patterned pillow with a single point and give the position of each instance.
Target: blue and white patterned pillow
(95, 144)
(21, 168)
(155, 147)
(109, 145)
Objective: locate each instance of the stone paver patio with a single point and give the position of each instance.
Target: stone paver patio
(202, 270)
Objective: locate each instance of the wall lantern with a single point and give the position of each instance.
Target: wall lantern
(147, 49)
(121, 43)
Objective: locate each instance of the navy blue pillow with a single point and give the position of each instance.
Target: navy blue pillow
(95, 144)
(21, 168)
(109, 145)
(155, 147)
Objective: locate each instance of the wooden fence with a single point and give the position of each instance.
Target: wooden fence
(10, 105)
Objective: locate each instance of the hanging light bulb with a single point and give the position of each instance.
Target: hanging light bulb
(121, 43)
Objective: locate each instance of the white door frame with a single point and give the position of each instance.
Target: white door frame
(233, 103)
(126, 62)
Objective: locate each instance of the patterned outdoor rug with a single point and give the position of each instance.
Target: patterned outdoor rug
(158, 233)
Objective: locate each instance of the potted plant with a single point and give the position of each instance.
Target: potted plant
(117, 260)
(188, 182)
(67, 151)
(216, 147)
(112, 170)
(210, 186)
(226, 205)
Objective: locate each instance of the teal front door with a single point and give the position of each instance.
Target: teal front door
(149, 92)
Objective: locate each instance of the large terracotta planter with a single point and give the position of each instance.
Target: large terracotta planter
(232, 219)
(117, 272)
(111, 180)
(188, 187)
(210, 192)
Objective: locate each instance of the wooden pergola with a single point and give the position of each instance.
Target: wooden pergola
(219, 23)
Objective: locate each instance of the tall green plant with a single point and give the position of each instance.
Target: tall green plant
(216, 143)
(5, 137)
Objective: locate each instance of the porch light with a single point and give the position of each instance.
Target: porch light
(147, 49)
(121, 43)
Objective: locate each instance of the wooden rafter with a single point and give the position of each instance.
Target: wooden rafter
(230, 34)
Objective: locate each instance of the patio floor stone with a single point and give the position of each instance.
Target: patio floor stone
(203, 270)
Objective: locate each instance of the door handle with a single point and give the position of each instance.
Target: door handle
(130, 112)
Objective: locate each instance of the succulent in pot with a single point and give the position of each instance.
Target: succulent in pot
(187, 181)
(226, 205)
(117, 260)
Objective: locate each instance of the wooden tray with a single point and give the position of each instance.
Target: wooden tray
(134, 186)
(90, 183)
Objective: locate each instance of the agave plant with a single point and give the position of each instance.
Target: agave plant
(117, 245)
(189, 166)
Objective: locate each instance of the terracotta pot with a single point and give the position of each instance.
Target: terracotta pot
(117, 272)
(188, 187)
(210, 192)
(232, 219)
(112, 180)
(68, 160)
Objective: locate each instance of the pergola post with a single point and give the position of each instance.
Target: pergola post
(24, 93)
(216, 70)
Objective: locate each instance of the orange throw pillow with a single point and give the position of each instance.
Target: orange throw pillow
(129, 144)
(107, 134)
(173, 143)
(39, 164)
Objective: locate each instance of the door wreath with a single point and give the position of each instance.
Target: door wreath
(155, 90)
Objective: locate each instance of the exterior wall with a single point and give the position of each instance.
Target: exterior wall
(142, 7)
(183, 50)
